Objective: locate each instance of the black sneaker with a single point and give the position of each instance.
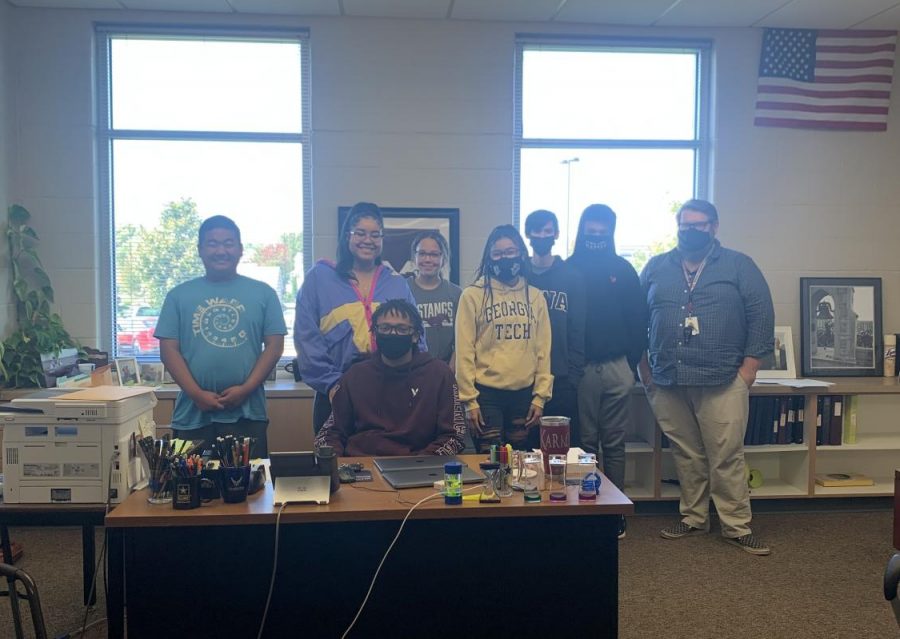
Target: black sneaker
(749, 543)
(680, 530)
(623, 525)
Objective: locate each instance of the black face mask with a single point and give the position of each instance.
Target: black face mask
(393, 346)
(506, 269)
(542, 245)
(693, 240)
(596, 243)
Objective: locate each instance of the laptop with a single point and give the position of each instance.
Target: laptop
(420, 471)
(296, 478)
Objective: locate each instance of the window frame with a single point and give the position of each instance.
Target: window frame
(106, 135)
(701, 143)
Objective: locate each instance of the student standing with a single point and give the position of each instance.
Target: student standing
(219, 336)
(436, 298)
(335, 305)
(563, 290)
(503, 346)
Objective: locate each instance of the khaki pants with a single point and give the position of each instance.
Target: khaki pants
(706, 426)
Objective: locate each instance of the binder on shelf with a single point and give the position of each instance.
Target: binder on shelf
(783, 410)
(843, 479)
(823, 419)
(851, 406)
(835, 428)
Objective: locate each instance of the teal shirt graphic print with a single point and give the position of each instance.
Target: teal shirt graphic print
(220, 327)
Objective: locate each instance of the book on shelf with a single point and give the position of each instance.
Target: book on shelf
(830, 480)
(851, 406)
(835, 428)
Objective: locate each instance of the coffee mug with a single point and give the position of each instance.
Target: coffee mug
(235, 483)
(293, 367)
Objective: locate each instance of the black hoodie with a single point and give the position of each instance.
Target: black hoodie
(616, 317)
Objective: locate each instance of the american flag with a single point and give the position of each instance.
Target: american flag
(823, 79)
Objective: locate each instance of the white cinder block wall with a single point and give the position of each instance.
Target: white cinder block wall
(7, 309)
(420, 113)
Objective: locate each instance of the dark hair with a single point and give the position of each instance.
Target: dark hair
(701, 206)
(359, 211)
(431, 234)
(217, 222)
(484, 269)
(594, 213)
(401, 307)
(537, 220)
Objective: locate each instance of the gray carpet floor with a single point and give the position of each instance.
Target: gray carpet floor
(823, 580)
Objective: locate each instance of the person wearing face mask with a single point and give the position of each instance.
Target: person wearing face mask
(563, 289)
(436, 298)
(503, 345)
(711, 323)
(615, 337)
(399, 401)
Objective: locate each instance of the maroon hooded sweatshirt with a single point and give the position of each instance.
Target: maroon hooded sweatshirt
(412, 409)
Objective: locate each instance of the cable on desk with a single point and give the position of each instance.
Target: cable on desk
(262, 624)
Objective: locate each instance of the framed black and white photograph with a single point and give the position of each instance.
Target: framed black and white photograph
(779, 364)
(841, 326)
(128, 370)
(401, 225)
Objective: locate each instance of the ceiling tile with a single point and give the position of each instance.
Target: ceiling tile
(397, 8)
(889, 19)
(220, 6)
(288, 7)
(825, 14)
(718, 13)
(512, 10)
(68, 4)
(638, 12)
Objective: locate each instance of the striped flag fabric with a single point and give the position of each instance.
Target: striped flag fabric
(825, 79)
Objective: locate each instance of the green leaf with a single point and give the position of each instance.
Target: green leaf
(43, 280)
(20, 286)
(18, 214)
(48, 292)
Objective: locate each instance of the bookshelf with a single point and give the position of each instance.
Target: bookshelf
(788, 470)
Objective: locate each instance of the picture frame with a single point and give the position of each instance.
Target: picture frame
(152, 373)
(129, 373)
(780, 364)
(401, 225)
(841, 328)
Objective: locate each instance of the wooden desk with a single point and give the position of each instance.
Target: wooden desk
(460, 571)
(85, 515)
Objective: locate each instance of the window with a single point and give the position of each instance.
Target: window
(618, 122)
(195, 124)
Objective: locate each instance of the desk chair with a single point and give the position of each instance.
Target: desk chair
(14, 575)
(891, 579)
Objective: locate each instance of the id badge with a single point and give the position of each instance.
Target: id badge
(692, 324)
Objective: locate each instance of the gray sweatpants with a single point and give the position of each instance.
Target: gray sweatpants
(706, 427)
(603, 401)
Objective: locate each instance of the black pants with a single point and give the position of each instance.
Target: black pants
(321, 411)
(241, 428)
(565, 404)
(504, 413)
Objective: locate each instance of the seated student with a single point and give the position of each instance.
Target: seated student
(399, 401)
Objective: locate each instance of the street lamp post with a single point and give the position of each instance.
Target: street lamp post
(568, 164)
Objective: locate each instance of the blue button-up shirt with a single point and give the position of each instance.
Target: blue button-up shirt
(733, 307)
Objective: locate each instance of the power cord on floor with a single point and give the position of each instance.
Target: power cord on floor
(262, 624)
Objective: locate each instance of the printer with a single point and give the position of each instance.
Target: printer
(74, 445)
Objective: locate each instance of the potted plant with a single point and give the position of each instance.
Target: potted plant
(39, 330)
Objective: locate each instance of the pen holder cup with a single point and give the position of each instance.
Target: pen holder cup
(209, 488)
(235, 483)
(160, 492)
(186, 493)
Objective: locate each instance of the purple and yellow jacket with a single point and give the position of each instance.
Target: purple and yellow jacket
(333, 320)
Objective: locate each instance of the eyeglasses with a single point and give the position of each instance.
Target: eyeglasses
(361, 235)
(699, 226)
(423, 254)
(214, 244)
(510, 252)
(387, 329)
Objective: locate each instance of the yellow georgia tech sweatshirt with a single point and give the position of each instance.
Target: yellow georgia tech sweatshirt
(503, 341)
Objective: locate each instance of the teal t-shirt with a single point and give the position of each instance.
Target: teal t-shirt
(220, 328)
